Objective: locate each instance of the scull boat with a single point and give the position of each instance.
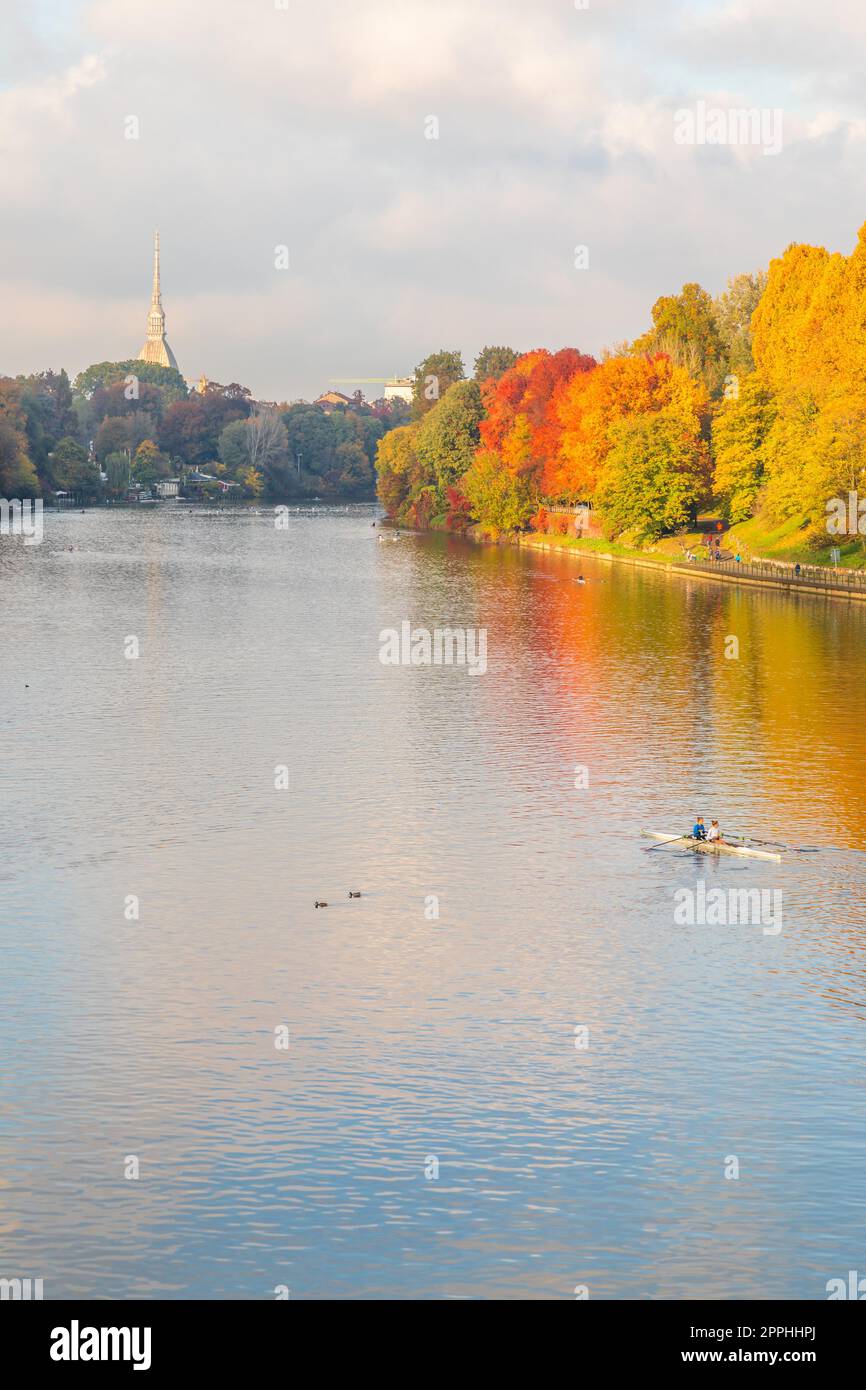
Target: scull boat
(711, 846)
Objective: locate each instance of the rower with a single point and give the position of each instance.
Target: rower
(714, 833)
(699, 830)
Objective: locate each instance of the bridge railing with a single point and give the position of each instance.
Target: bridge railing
(812, 576)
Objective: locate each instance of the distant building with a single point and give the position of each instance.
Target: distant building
(167, 487)
(332, 400)
(196, 484)
(156, 348)
(400, 389)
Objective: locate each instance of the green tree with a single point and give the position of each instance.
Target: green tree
(233, 450)
(733, 314)
(46, 403)
(356, 474)
(655, 476)
(494, 362)
(499, 500)
(448, 435)
(149, 465)
(170, 381)
(117, 471)
(433, 377)
(73, 470)
(310, 434)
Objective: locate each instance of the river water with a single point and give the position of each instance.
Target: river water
(435, 1127)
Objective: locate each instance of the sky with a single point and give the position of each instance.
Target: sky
(307, 124)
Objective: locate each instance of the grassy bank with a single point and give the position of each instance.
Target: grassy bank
(789, 543)
(753, 540)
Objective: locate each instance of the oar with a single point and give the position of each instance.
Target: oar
(774, 844)
(675, 840)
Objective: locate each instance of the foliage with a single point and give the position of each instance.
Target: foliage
(740, 427)
(74, 471)
(448, 436)
(117, 472)
(494, 362)
(104, 374)
(433, 377)
(18, 476)
(501, 501)
(523, 420)
(459, 514)
(396, 465)
(596, 402)
(655, 477)
(685, 329)
(149, 465)
(733, 312)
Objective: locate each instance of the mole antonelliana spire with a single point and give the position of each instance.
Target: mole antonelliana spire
(156, 348)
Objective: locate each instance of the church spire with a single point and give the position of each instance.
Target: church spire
(156, 348)
(157, 296)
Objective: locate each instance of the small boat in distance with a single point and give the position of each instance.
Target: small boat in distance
(710, 846)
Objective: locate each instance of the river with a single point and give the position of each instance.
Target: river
(553, 1084)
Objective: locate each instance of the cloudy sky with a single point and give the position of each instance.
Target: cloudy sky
(304, 123)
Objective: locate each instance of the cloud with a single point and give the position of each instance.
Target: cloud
(307, 126)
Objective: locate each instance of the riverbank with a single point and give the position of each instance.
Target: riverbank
(669, 555)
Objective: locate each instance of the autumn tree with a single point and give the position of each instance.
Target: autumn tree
(123, 433)
(18, 476)
(740, 427)
(522, 413)
(499, 500)
(396, 466)
(596, 402)
(685, 329)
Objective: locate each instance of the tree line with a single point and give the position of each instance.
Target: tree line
(752, 403)
(132, 424)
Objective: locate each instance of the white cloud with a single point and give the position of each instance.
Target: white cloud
(306, 126)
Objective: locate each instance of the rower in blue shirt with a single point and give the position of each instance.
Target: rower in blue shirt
(699, 830)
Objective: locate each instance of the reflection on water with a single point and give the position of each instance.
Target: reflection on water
(415, 1037)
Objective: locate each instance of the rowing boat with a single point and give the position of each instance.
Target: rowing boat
(711, 847)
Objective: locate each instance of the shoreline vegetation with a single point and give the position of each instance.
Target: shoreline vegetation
(742, 416)
(133, 431)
